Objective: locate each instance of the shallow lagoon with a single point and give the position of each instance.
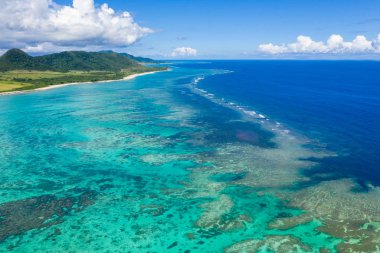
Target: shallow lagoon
(155, 165)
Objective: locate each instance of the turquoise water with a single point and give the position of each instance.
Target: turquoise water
(149, 165)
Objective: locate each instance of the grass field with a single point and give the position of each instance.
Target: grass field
(26, 80)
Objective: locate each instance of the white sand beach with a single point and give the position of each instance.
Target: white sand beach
(55, 86)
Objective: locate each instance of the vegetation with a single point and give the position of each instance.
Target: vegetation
(20, 71)
(136, 58)
(16, 59)
(18, 80)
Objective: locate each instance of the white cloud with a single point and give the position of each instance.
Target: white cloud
(184, 51)
(273, 49)
(334, 45)
(35, 24)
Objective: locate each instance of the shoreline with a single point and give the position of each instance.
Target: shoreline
(55, 86)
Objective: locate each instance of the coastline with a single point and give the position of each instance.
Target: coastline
(55, 86)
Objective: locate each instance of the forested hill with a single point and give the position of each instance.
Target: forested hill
(16, 59)
(136, 58)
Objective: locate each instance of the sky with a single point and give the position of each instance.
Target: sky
(196, 29)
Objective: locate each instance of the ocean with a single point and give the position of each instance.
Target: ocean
(211, 156)
(335, 103)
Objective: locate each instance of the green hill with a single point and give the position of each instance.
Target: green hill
(139, 58)
(16, 59)
(136, 58)
(20, 71)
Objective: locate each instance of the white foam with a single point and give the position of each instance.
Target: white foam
(245, 110)
(197, 80)
(250, 113)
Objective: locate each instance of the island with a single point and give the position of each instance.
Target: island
(20, 71)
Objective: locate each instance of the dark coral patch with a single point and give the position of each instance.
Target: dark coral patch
(228, 177)
(20, 216)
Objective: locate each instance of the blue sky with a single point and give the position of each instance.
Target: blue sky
(237, 28)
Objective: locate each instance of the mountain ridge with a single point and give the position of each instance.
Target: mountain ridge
(16, 59)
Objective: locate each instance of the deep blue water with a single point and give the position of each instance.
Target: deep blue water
(334, 103)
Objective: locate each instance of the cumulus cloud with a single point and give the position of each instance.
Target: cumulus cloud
(39, 24)
(334, 45)
(184, 51)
